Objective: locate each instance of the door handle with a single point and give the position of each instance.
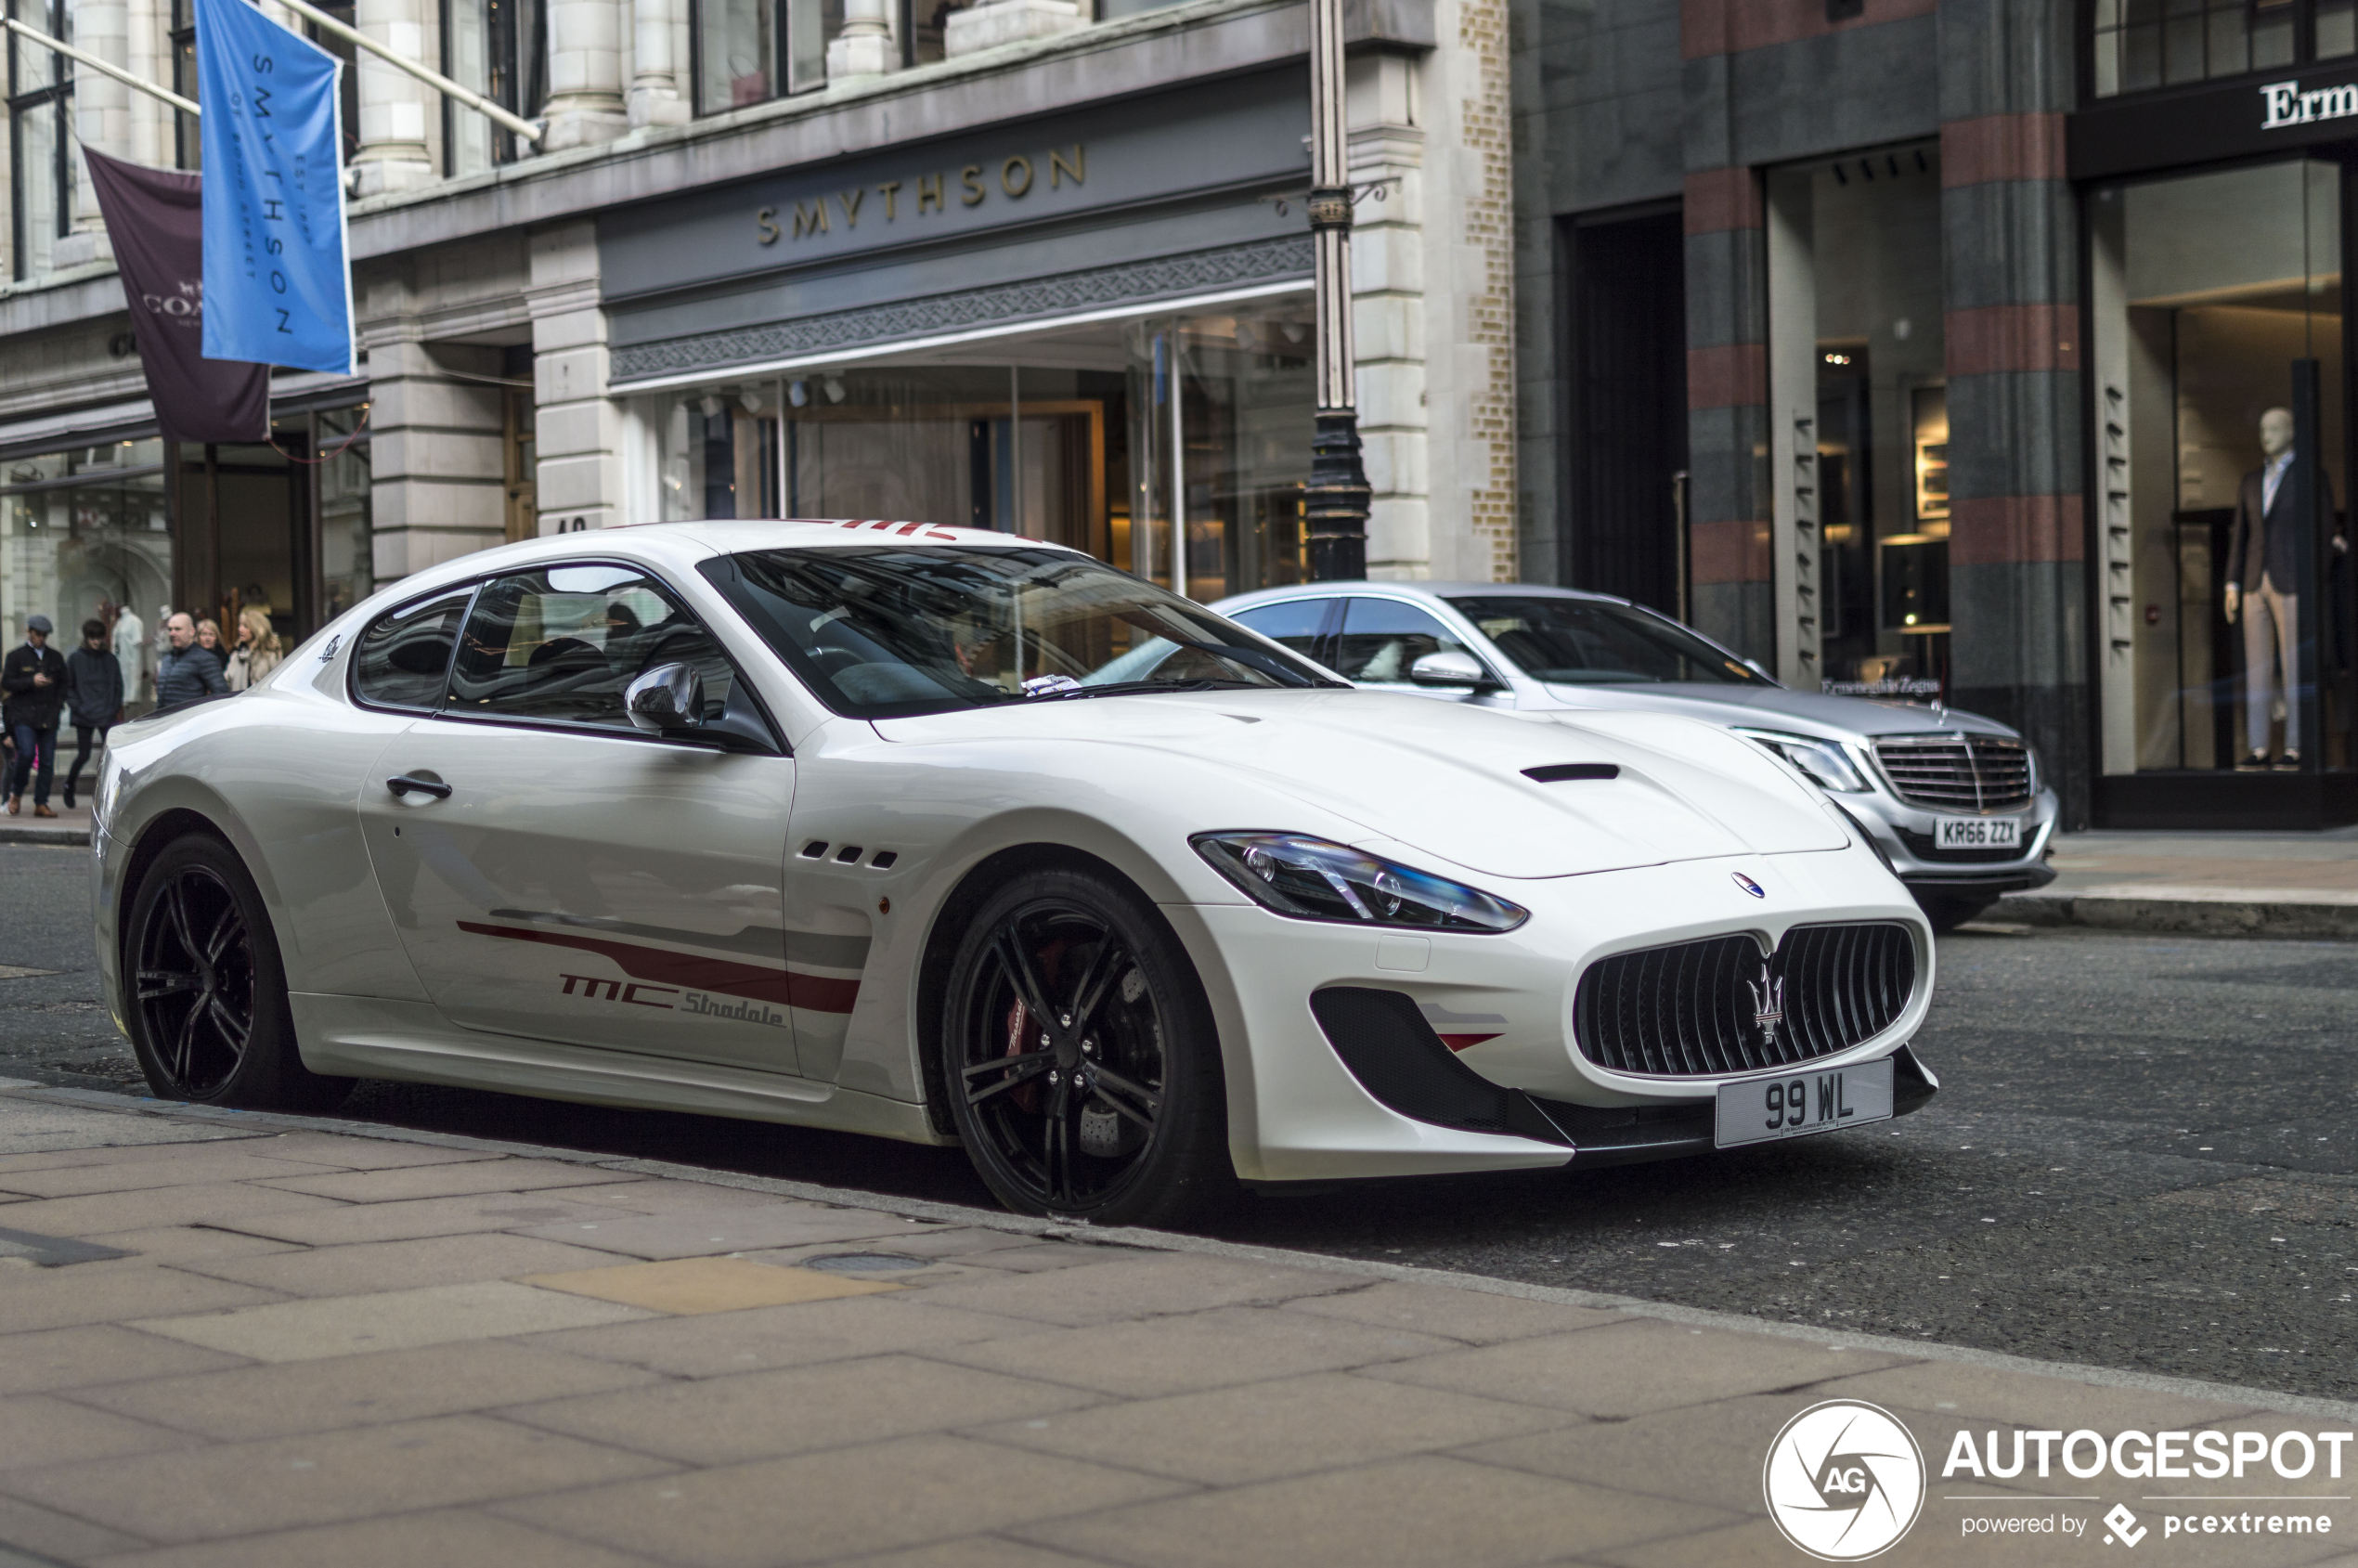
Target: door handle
(402, 784)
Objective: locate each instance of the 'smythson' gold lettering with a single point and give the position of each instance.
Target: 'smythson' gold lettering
(1017, 175)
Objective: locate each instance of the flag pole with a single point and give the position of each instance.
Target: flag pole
(103, 67)
(439, 83)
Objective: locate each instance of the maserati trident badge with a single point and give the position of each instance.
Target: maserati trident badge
(1749, 886)
(1767, 1004)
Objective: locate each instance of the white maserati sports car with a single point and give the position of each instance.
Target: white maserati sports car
(954, 836)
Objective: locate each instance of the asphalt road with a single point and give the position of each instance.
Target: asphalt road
(2144, 1157)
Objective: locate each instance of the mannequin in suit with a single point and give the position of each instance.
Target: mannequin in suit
(2261, 574)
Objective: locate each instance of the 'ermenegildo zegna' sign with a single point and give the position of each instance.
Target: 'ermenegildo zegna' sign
(2287, 105)
(925, 193)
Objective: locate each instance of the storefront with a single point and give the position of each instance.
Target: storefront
(1092, 328)
(2214, 218)
(102, 520)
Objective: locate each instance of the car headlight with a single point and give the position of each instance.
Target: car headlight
(1315, 879)
(1823, 761)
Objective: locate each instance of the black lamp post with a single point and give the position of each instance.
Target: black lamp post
(1336, 499)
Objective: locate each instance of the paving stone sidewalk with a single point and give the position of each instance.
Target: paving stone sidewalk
(2301, 885)
(251, 1340)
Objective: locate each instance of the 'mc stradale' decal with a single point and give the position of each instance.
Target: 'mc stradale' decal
(704, 983)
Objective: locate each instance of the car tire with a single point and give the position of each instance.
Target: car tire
(1947, 912)
(1112, 1108)
(205, 989)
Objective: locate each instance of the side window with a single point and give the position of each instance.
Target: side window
(562, 643)
(1295, 622)
(1381, 638)
(403, 657)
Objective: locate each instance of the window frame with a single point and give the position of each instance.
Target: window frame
(781, 63)
(476, 587)
(2304, 54)
(54, 96)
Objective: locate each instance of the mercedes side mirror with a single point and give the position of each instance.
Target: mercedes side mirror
(1449, 667)
(665, 700)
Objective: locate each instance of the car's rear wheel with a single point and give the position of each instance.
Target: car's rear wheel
(1083, 1064)
(207, 995)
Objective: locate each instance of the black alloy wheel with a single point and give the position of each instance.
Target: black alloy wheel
(194, 982)
(1082, 1068)
(208, 997)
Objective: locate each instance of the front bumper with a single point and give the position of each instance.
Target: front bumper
(1297, 1112)
(1909, 836)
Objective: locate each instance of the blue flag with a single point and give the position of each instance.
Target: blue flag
(278, 284)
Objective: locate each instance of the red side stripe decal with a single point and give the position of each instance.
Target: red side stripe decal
(1465, 1041)
(813, 993)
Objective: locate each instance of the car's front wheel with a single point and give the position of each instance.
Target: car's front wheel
(1083, 1064)
(207, 995)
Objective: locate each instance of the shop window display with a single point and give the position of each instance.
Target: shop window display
(2218, 375)
(83, 535)
(1858, 280)
(1093, 437)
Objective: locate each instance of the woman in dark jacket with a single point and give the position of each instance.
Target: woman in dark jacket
(94, 697)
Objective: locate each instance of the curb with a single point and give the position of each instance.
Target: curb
(2225, 912)
(58, 837)
(262, 1122)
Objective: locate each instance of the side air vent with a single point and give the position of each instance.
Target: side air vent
(1565, 773)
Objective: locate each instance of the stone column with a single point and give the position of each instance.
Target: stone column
(2018, 530)
(101, 119)
(437, 472)
(997, 22)
(393, 154)
(585, 74)
(577, 429)
(654, 81)
(866, 47)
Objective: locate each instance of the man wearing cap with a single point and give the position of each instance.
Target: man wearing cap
(34, 678)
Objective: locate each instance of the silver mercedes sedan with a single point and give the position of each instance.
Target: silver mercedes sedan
(1955, 801)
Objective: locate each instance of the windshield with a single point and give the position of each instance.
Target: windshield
(890, 631)
(1588, 642)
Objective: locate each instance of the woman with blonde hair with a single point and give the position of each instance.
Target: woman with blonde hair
(258, 651)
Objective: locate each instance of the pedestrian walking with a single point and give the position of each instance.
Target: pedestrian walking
(258, 650)
(34, 678)
(94, 697)
(186, 673)
(209, 639)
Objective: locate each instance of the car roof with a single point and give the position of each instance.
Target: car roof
(683, 544)
(1418, 588)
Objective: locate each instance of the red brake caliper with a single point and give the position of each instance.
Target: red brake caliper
(1018, 1025)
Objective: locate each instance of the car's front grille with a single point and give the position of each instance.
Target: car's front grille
(1927, 847)
(1704, 1009)
(1957, 772)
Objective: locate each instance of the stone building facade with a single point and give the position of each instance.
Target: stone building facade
(1039, 264)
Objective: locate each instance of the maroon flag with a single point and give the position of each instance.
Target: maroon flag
(155, 218)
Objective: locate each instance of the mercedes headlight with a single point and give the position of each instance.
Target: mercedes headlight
(1315, 879)
(1824, 761)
